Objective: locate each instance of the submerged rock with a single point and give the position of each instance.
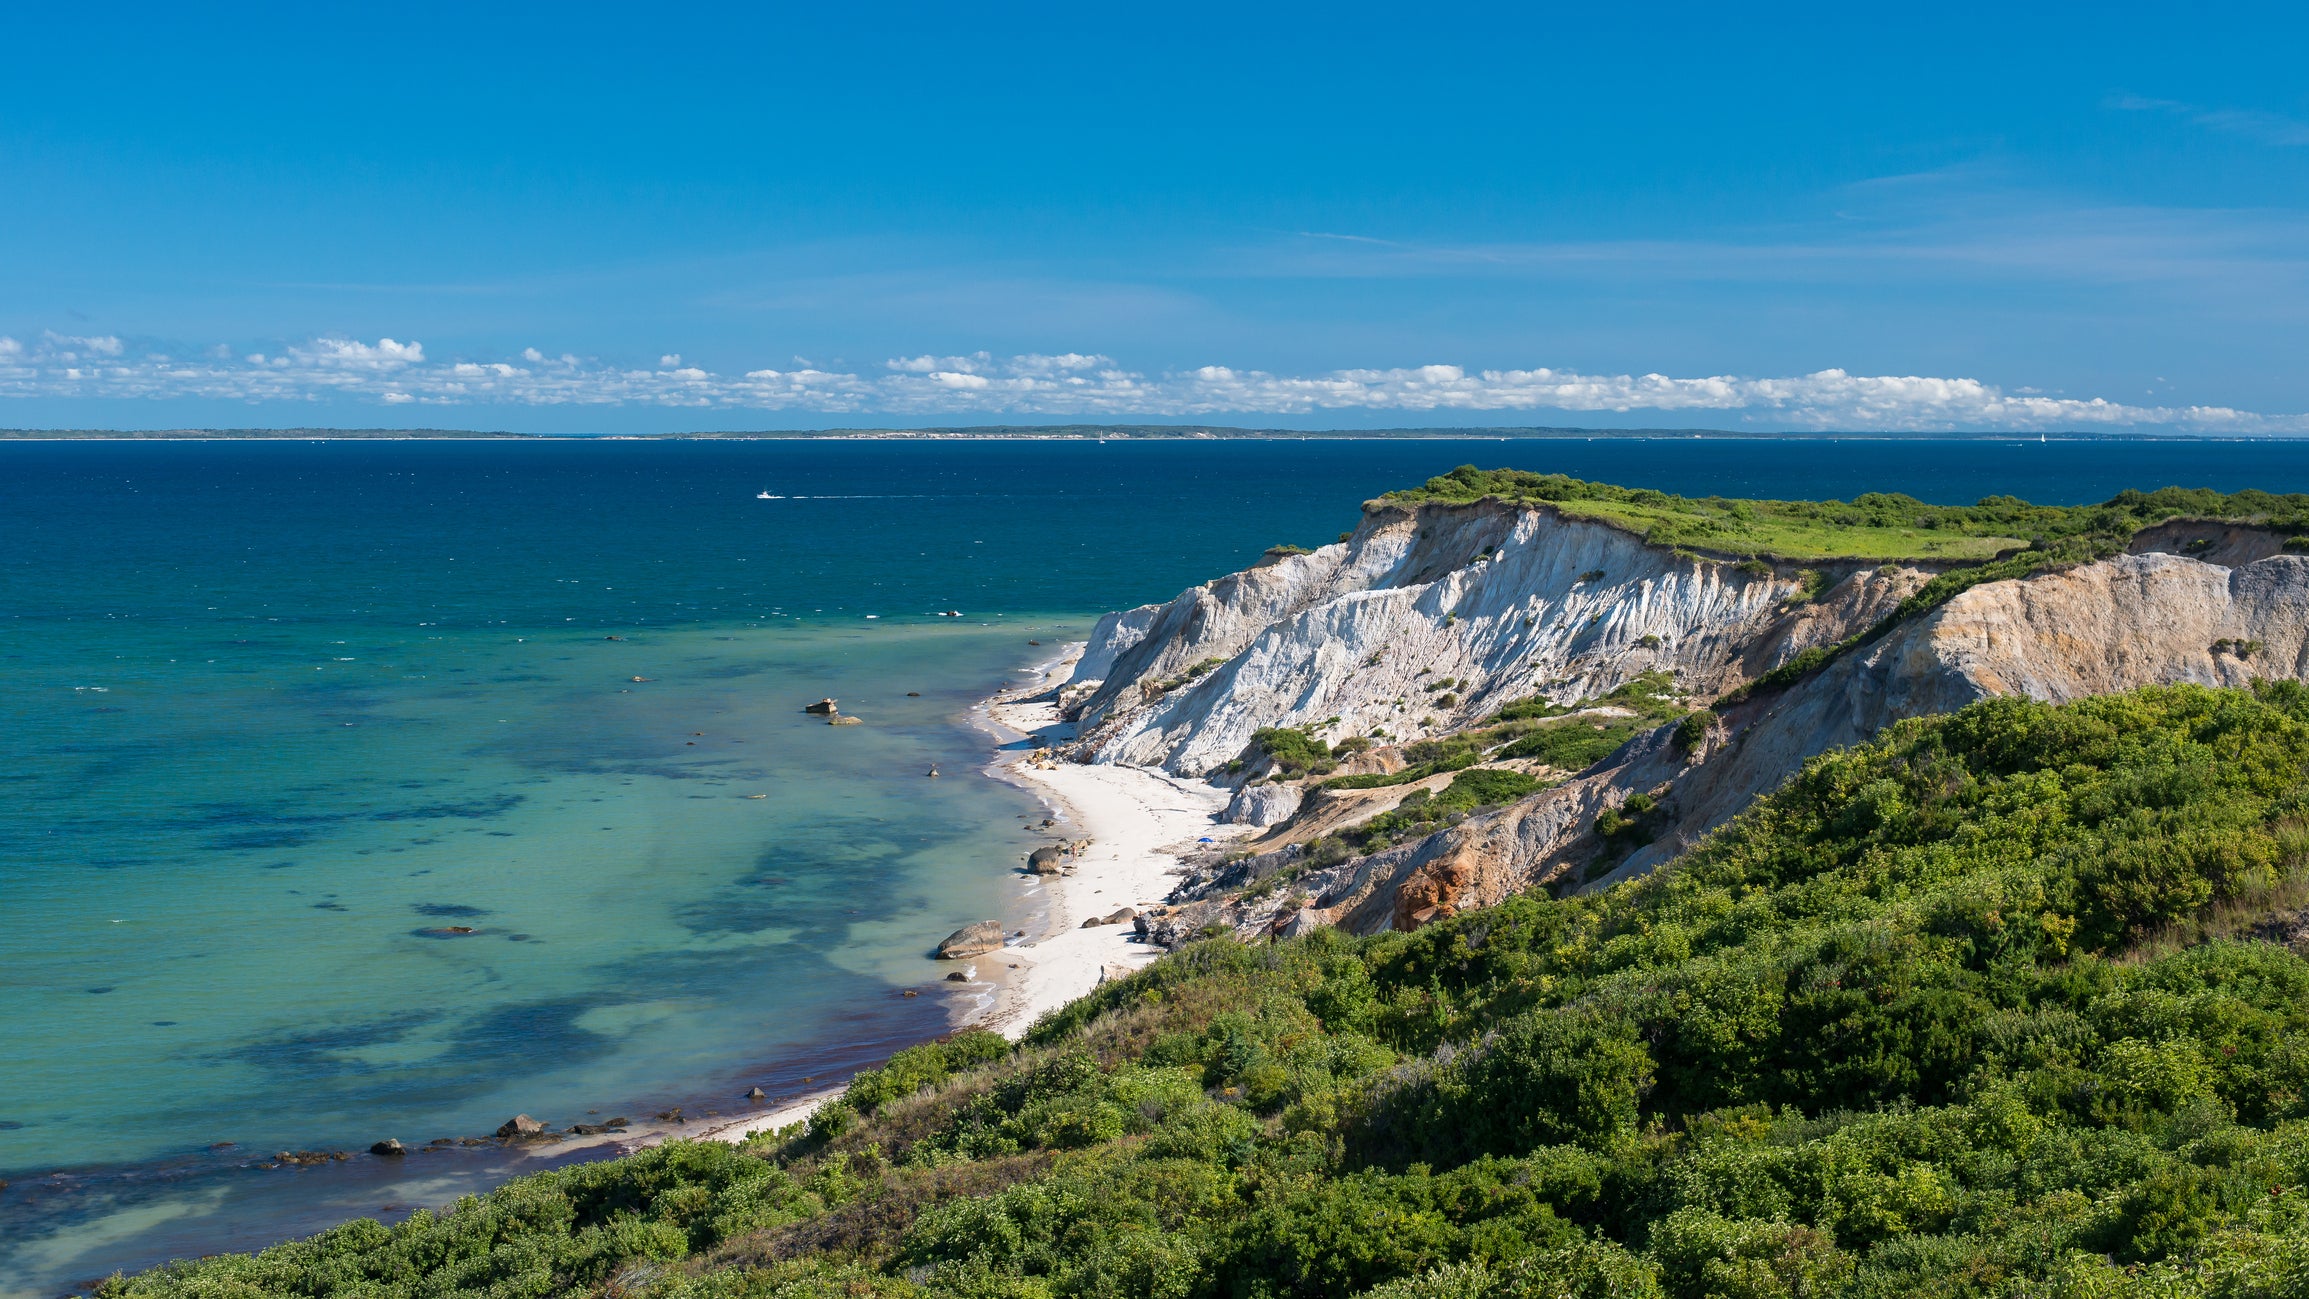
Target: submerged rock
(971, 940)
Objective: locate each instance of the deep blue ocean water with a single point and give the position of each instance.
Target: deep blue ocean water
(279, 714)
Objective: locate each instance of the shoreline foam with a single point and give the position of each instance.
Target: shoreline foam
(1139, 822)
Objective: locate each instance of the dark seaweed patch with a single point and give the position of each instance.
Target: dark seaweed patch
(253, 839)
(474, 810)
(318, 1053)
(528, 1032)
(446, 909)
(727, 671)
(221, 815)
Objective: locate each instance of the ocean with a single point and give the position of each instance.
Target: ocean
(385, 789)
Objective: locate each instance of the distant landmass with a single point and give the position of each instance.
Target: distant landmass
(1074, 432)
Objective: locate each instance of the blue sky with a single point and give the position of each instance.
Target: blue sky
(616, 219)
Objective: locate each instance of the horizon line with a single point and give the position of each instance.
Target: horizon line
(1184, 432)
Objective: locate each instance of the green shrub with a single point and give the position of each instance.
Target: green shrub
(1692, 731)
(925, 1066)
(1294, 751)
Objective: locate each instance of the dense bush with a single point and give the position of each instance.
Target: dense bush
(925, 1066)
(1974, 1010)
(1293, 751)
(547, 1234)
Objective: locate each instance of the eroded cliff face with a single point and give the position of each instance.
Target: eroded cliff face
(1503, 601)
(2136, 620)
(1508, 602)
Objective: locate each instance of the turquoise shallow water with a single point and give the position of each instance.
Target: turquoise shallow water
(275, 711)
(249, 879)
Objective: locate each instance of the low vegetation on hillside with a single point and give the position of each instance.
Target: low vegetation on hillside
(1975, 1010)
(1567, 737)
(1875, 526)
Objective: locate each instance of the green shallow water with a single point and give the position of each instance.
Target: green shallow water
(634, 909)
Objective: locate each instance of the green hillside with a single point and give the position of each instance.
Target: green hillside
(1974, 1010)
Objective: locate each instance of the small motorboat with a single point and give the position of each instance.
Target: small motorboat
(765, 496)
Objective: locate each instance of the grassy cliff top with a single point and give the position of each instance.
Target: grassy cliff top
(1875, 526)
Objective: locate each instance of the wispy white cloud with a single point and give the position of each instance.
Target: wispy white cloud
(1071, 384)
(2254, 123)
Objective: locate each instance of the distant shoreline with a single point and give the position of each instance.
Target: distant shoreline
(1107, 433)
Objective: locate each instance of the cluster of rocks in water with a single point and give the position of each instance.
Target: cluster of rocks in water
(303, 1158)
(520, 1129)
(831, 711)
(987, 935)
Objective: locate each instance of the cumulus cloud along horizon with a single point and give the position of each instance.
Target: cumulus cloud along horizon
(389, 372)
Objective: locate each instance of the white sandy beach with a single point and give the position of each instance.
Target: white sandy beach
(1138, 821)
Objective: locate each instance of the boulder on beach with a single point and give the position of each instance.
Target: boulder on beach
(971, 940)
(958, 977)
(1050, 859)
(1263, 805)
(520, 1125)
